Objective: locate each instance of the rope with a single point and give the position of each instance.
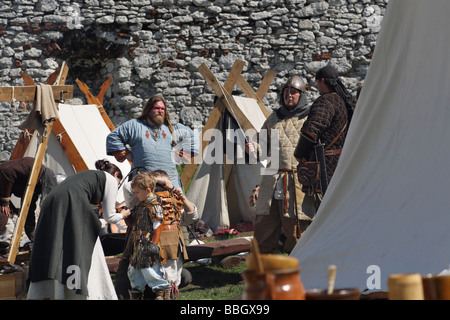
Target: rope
(59, 136)
(13, 99)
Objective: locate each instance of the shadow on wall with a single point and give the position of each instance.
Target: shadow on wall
(87, 54)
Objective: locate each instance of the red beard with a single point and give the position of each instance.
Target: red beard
(158, 119)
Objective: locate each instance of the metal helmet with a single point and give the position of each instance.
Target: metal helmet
(295, 82)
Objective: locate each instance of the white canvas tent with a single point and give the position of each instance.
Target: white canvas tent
(386, 210)
(220, 189)
(87, 130)
(78, 135)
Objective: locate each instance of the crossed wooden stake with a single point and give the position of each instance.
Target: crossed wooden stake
(28, 93)
(226, 101)
(60, 92)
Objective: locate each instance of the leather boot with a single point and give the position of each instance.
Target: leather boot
(136, 295)
(159, 294)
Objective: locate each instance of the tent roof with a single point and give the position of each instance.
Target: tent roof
(386, 208)
(250, 108)
(87, 130)
(220, 190)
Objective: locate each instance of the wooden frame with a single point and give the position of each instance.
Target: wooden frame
(64, 92)
(226, 101)
(26, 134)
(98, 100)
(36, 165)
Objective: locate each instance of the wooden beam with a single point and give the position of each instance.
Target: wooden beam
(235, 73)
(91, 99)
(62, 75)
(22, 144)
(219, 107)
(226, 101)
(95, 100)
(26, 79)
(226, 98)
(195, 252)
(103, 88)
(211, 123)
(217, 248)
(29, 193)
(26, 134)
(28, 93)
(69, 147)
(265, 84)
(53, 77)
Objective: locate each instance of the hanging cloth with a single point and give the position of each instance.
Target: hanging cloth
(44, 109)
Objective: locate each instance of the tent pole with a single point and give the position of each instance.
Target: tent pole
(33, 178)
(29, 193)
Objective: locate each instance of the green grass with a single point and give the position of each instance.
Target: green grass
(213, 282)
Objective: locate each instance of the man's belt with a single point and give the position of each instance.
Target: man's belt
(333, 152)
(169, 226)
(288, 170)
(140, 232)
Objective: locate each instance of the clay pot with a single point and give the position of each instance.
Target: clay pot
(405, 286)
(279, 281)
(429, 287)
(271, 262)
(337, 294)
(436, 287)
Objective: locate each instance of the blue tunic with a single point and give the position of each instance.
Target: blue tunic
(152, 147)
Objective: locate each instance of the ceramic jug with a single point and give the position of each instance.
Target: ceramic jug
(280, 279)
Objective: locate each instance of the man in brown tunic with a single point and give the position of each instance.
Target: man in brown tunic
(14, 176)
(327, 122)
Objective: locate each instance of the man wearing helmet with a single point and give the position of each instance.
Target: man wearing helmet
(281, 205)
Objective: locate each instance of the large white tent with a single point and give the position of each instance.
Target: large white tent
(386, 210)
(221, 180)
(87, 130)
(220, 189)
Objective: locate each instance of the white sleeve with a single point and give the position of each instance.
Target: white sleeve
(109, 200)
(189, 217)
(130, 199)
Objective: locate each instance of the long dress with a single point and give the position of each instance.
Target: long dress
(67, 260)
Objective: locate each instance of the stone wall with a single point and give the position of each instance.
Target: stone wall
(155, 47)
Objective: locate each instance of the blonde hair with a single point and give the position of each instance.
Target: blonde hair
(143, 181)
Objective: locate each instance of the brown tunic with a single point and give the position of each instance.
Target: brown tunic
(14, 176)
(327, 117)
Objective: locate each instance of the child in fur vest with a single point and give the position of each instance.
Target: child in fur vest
(146, 257)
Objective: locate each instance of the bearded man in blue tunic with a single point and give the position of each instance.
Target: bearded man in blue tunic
(153, 142)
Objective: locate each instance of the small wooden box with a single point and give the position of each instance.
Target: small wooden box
(12, 285)
(7, 286)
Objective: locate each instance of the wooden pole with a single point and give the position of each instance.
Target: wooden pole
(29, 193)
(225, 101)
(28, 93)
(33, 178)
(214, 117)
